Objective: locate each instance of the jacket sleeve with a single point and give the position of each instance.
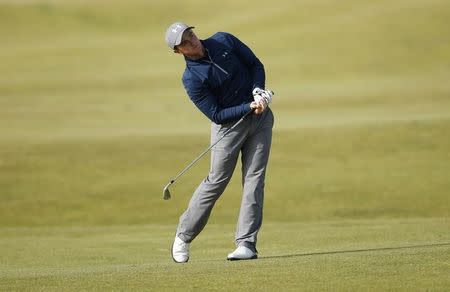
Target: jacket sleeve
(246, 55)
(207, 103)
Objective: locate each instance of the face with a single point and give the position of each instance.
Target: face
(190, 45)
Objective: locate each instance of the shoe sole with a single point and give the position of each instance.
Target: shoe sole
(171, 252)
(239, 259)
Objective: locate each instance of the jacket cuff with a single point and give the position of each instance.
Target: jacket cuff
(247, 107)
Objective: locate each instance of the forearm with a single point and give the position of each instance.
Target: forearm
(247, 57)
(258, 74)
(230, 114)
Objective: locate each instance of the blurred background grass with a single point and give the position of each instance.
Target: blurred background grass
(94, 119)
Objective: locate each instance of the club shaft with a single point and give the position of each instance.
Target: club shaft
(209, 148)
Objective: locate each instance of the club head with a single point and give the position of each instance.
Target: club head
(166, 192)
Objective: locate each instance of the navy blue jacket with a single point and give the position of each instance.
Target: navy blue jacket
(220, 84)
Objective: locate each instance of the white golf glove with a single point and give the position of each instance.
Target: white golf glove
(262, 96)
(257, 91)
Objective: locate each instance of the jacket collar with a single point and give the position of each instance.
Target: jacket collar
(191, 62)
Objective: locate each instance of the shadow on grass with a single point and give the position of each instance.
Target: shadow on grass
(356, 250)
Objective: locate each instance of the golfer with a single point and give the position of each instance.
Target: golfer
(226, 82)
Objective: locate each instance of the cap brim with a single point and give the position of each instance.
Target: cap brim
(180, 36)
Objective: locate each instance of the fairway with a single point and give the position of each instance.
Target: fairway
(346, 254)
(94, 122)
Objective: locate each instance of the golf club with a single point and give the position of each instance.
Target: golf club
(166, 192)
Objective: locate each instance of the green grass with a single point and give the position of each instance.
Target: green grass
(94, 121)
(374, 255)
(390, 171)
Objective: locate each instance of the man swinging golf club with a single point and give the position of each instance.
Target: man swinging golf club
(226, 82)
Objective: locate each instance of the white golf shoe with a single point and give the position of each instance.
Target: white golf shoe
(180, 250)
(242, 253)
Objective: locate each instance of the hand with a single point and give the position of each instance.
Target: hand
(256, 107)
(267, 96)
(261, 102)
(261, 95)
(257, 91)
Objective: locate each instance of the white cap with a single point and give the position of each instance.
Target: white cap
(175, 32)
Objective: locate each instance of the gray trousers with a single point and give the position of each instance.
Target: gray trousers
(252, 138)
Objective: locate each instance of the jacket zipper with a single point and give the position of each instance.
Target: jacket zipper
(212, 62)
(221, 69)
